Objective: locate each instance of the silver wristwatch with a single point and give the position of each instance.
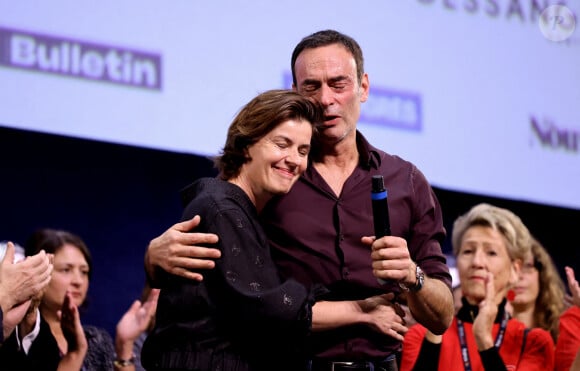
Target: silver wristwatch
(420, 279)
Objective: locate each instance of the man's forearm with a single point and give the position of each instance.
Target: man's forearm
(432, 306)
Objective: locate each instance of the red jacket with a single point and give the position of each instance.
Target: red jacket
(538, 353)
(569, 338)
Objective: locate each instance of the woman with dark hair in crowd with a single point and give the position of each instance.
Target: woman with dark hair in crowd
(51, 336)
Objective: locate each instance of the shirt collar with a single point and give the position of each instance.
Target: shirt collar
(369, 156)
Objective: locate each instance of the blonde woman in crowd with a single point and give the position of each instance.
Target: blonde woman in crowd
(490, 244)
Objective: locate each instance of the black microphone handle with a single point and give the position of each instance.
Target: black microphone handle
(381, 219)
(380, 206)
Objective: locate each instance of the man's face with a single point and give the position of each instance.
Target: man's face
(328, 75)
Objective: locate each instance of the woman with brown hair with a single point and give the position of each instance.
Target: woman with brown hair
(537, 299)
(51, 335)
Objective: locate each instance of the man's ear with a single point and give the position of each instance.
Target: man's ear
(364, 88)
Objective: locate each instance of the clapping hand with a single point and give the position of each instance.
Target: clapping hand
(133, 323)
(137, 319)
(483, 323)
(573, 286)
(72, 329)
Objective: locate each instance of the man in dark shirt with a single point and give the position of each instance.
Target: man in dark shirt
(321, 231)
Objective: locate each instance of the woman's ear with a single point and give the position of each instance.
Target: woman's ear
(247, 153)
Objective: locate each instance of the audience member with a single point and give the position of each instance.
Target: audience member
(537, 299)
(133, 329)
(489, 244)
(49, 336)
(457, 295)
(315, 230)
(149, 299)
(18, 251)
(73, 331)
(20, 280)
(568, 345)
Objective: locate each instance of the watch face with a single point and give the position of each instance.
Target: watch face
(420, 279)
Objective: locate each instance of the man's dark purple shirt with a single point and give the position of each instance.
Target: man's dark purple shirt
(315, 237)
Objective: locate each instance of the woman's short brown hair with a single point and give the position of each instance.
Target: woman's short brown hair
(256, 119)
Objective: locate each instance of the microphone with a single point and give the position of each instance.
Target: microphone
(382, 224)
(381, 219)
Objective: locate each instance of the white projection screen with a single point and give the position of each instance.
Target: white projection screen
(483, 95)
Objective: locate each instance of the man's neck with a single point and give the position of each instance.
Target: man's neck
(336, 162)
(340, 153)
